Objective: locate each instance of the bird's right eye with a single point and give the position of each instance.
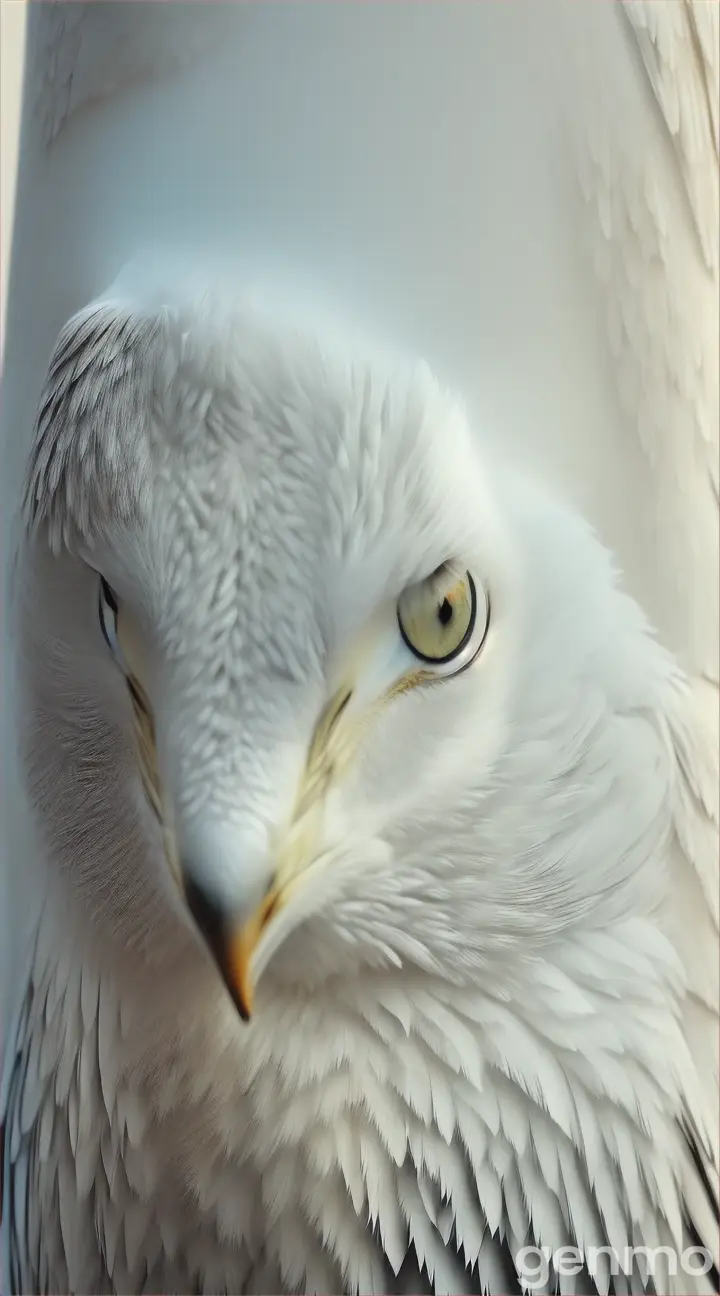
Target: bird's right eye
(108, 613)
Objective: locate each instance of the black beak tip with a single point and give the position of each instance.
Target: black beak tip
(211, 921)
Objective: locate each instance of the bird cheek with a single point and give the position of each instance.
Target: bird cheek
(353, 812)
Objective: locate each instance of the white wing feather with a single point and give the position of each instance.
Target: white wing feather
(673, 344)
(650, 181)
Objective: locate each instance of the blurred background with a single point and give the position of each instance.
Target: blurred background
(12, 50)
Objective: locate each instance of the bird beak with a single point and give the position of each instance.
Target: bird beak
(242, 946)
(234, 945)
(232, 948)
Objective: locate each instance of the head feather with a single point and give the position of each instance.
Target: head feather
(87, 447)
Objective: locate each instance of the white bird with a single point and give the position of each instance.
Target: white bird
(363, 601)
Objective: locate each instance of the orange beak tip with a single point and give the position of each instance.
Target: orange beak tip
(239, 960)
(243, 1003)
(239, 980)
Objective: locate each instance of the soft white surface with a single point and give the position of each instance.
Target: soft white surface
(13, 15)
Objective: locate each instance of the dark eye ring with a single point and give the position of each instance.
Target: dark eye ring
(443, 620)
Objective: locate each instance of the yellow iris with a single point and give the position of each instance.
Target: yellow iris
(437, 615)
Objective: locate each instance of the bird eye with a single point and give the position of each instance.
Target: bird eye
(108, 613)
(440, 620)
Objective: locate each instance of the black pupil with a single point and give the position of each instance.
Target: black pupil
(445, 612)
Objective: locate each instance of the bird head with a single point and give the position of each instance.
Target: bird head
(308, 625)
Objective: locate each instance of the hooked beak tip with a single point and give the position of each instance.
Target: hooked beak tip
(236, 969)
(241, 948)
(231, 947)
(242, 999)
